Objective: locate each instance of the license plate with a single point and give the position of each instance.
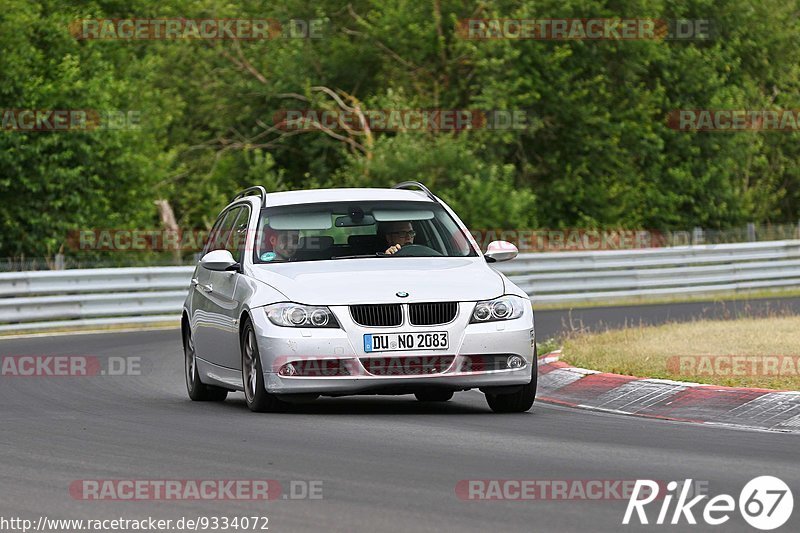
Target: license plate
(401, 342)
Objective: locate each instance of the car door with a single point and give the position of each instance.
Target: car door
(226, 293)
(217, 310)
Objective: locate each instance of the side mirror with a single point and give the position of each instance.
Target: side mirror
(219, 261)
(500, 251)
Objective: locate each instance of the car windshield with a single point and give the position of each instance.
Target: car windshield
(351, 230)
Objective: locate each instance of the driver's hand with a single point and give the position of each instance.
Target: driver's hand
(393, 249)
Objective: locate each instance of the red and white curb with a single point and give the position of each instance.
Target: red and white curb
(761, 409)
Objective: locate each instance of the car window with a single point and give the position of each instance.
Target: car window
(221, 232)
(331, 230)
(235, 243)
(340, 235)
(213, 235)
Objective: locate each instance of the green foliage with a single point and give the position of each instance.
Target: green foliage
(484, 192)
(596, 150)
(55, 182)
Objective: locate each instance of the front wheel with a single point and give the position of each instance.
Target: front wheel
(198, 391)
(255, 393)
(517, 402)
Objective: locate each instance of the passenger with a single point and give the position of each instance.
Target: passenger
(279, 245)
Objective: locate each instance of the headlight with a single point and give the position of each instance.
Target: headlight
(503, 308)
(301, 316)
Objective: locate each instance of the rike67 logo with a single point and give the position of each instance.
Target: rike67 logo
(765, 503)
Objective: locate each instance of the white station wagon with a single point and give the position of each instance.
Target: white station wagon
(337, 292)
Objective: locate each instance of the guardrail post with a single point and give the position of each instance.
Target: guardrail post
(751, 232)
(698, 236)
(680, 238)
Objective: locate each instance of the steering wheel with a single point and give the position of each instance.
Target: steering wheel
(416, 250)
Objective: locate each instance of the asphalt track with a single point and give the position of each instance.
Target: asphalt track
(386, 464)
(554, 322)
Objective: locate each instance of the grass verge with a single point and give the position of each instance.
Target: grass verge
(753, 352)
(677, 298)
(145, 326)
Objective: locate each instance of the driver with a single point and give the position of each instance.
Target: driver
(397, 234)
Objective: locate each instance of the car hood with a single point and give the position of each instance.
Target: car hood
(365, 280)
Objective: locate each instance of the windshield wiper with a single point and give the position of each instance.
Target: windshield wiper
(379, 254)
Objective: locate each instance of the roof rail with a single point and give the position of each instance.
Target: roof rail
(262, 192)
(418, 185)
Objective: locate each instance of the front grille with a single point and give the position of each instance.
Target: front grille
(432, 314)
(377, 315)
(407, 365)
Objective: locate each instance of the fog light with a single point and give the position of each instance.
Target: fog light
(515, 362)
(288, 370)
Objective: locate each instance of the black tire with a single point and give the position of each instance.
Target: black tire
(434, 395)
(517, 402)
(198, 391)
(255, 393)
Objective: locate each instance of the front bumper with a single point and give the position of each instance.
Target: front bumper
(281, 345)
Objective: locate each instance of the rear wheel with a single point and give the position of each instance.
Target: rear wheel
(198, 391)
(255, 393)
(434, 395)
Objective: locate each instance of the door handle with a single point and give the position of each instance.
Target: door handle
(206, 288)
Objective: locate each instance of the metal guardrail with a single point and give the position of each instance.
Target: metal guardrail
(98, 297)
(587, 276)
(91, 297)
